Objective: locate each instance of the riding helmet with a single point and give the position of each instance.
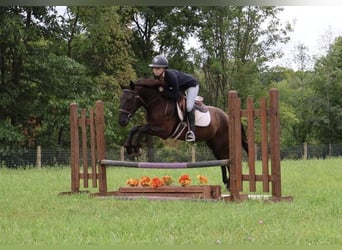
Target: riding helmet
(160, 62)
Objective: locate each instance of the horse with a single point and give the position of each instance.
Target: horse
(164, 122)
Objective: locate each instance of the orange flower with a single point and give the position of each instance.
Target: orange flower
(156, 182)
(167, 180)
(184, 180)
(145, 181)
(132, 182)
(202, 179)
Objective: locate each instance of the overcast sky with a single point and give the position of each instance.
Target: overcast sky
(312, 27)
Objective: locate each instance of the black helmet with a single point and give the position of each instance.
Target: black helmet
(160, 62)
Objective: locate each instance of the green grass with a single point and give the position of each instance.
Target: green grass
(32, 213)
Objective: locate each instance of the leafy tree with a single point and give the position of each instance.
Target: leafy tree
(328, 91)
(302, 59)
(235, 43)
(162, 30)
(37, 80)
(22, 31)
(99, 38)
(297, 100)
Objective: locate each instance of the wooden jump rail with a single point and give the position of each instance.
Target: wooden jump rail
(89, 128)
(164, 165)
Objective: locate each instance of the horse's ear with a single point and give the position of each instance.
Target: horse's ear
(121, 86)
(131, 84)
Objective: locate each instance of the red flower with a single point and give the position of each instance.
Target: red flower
(156, 182)
(184, 180)
(145, 181)
(132, 182)
(167, 180)
(202, 179)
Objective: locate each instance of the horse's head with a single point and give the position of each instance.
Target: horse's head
(141, 93)
(128, 104)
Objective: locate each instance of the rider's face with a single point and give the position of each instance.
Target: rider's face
(158, 71)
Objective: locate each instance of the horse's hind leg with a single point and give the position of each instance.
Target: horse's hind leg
(220, 151)
(225, 179)
(244, 140)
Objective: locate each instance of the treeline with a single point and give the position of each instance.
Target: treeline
(49, 59)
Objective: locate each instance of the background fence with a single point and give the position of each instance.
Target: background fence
(61, 157)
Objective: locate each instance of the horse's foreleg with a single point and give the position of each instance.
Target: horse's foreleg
(146, 129)
(128, 143)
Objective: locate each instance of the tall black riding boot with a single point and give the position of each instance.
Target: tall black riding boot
(190, 135)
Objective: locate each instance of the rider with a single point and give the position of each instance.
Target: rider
(175, 81)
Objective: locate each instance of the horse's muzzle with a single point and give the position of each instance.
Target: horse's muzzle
(123, 122)
(124, 119)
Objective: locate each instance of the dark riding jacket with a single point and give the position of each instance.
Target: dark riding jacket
(177, 81)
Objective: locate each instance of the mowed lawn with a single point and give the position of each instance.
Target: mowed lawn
(32, 213)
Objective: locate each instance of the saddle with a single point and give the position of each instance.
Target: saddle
(199, 105)
(202, 114)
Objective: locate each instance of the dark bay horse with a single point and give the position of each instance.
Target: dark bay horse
(162, 120)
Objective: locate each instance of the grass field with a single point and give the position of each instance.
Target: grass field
(32, 213)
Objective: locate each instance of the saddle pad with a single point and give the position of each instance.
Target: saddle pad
(201, 119)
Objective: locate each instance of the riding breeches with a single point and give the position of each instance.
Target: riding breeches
(191, 94)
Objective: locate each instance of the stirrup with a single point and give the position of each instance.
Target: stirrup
(190, 136)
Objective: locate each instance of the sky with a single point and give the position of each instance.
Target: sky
(314, 26)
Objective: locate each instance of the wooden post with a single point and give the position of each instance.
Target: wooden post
(264, 144)
(275, 142)
(93, 147)
(193, 154)
(305, 154)
(83, 125)
(74, 148)
(251, 141)
(122, 153)
(100, 144)
(233, 148)
(39, 157)
(237, 142)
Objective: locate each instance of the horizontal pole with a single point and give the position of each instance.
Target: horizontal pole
(164, 165)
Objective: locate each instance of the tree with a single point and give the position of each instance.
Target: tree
(27, 69)
(38, 81)
(302, 59)
(162, 30)
(99, 38)
(328, 91)
(236, 42)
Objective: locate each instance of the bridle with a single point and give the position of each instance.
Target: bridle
(130, 110)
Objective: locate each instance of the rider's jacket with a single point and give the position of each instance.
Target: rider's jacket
(177, 81)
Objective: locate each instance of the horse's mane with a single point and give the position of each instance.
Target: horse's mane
(146, 82)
